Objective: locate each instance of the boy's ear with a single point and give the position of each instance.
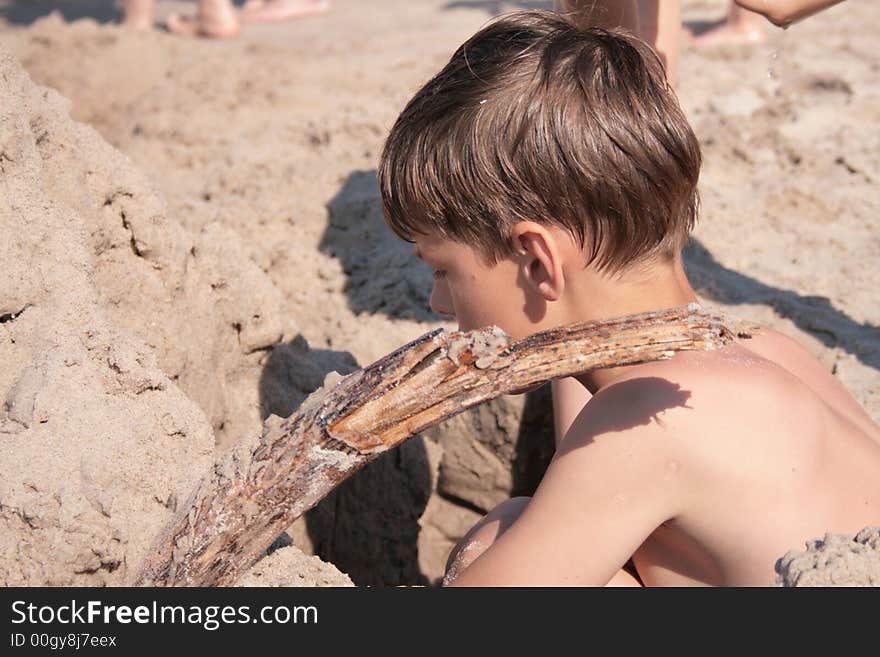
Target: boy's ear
(541, 258)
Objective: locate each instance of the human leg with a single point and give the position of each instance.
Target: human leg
(214, 18)
(739, 26)
(657, 22)
(487, 531)
(601, 13)
(660, 25)
(267, 11)
(139, 14)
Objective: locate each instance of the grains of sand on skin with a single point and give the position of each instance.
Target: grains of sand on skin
(458, 564)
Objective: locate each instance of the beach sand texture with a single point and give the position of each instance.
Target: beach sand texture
(201, 243)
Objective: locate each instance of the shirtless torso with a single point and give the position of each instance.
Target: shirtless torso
(706, 468)
(792, 457)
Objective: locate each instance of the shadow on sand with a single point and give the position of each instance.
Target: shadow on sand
(812, 314)
(369, 526)
(384, 276)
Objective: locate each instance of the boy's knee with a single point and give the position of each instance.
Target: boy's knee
(483, 534)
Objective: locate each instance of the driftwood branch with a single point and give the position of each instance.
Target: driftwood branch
(261, 486)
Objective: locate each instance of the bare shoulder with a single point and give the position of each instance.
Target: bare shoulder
(702, 419)
(692, 450)
(694, 387)
(627, 443)
(711, 409)
(789, 354)
(793, 357)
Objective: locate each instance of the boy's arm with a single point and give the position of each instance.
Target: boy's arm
(786, 12)
(612, 483)
(569, 398)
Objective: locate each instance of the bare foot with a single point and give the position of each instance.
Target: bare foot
(214, 18)
(139, 14)
(266, 11)
(740, 26)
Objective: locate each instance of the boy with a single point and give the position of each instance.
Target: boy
(548, 176)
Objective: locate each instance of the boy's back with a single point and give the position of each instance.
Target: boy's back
(767, 451)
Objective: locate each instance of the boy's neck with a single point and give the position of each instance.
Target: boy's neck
(656, 288)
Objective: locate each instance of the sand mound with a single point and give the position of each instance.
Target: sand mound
(290, 567)
(98, 444)
(197, 300)
(836, 560)
(98, 441)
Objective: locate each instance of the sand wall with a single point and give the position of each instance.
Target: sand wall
(98, 443)
(105, 304)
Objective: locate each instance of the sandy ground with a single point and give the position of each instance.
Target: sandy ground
(260, 260)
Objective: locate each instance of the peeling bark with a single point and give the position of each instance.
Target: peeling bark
(264, 484)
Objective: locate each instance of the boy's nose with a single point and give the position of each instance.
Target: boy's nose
(438, 306)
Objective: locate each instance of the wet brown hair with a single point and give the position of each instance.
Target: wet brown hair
(534, 119)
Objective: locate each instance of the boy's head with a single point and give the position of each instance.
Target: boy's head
(535, 120)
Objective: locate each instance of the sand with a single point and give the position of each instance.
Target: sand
(211, 247)
(834, 560)
(98, 444)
